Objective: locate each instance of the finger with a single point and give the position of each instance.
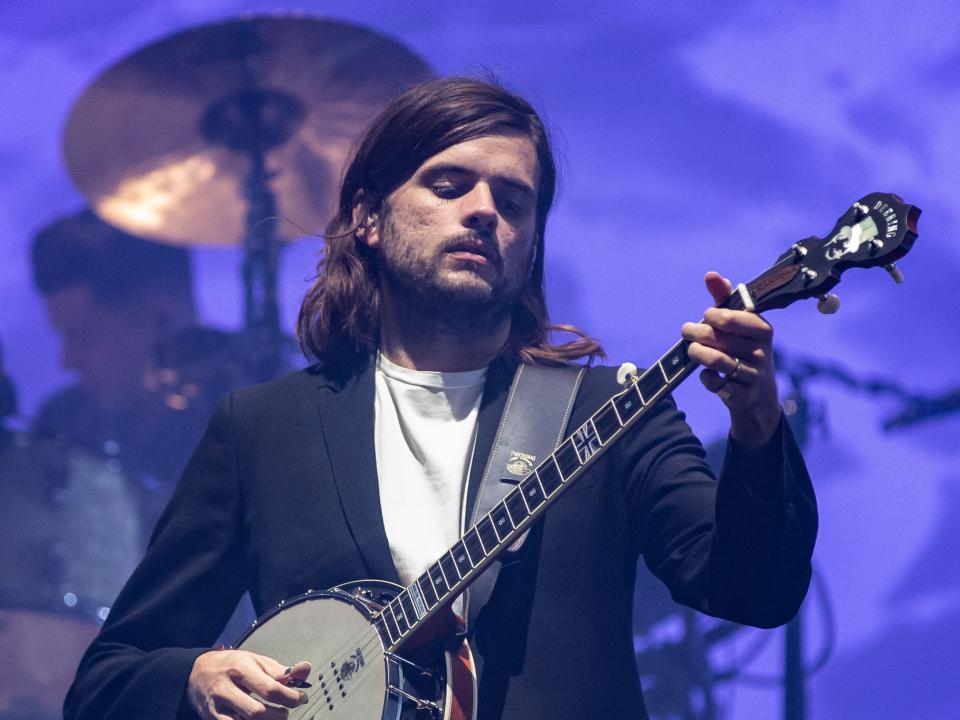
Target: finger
(720, 362)
(718, 286)
(746, 349)
(232, 702)
(738, 322)
(723, 384)
(716, 383)
(300, 671)
(281, 673)
(269, 681)
(287, 676)
(217, 715)
(211, 711)
(711, 379)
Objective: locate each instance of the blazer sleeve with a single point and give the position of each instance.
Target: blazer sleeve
(177, 600)
(737, 547)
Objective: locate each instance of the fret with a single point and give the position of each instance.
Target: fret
(393, 631)
(488, 536)
(440, 585)
(549, 475)
(586, 443)
(516, 507)
(650, 383)
(474, 547)
(606, 423)
(627, 404)
(460, 557)
(408, 607)
(449, 568)
(532, 492)
(734, 301)
(383, 631)
(566, 459)
(429, 593)
(675, 360)
(397, 612)
(501, 520)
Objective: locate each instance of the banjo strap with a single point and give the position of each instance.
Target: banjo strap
(531, 427)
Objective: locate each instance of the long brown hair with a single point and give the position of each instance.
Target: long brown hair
(340, 315)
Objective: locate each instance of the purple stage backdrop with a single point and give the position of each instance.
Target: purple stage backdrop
(694, 136)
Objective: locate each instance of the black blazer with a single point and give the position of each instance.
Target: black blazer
(281, 496)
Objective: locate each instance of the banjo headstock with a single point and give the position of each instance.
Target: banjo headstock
(877, 230)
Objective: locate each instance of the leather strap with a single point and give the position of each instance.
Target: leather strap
(531, 427)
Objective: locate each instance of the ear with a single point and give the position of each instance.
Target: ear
(365, 225)
(534, 251)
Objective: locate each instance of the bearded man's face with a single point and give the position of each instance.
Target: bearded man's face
(461, 231)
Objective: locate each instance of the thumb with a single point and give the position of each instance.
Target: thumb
(282, 674)
(718, 286)
(300, 671)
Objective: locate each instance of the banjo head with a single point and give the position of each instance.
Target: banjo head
(350, 673)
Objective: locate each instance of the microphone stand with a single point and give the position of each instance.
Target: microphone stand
(803, 417)
(8, 403)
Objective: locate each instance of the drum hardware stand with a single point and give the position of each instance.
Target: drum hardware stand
(915, 407)
(253, 122)
(797, 407)
(803, 418)
(919, 408)
(8, 403)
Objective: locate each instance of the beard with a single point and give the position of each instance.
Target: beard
(455, 300)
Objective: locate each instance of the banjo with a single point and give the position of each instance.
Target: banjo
(379, 651)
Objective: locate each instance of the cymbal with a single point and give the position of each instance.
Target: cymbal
(162, 142)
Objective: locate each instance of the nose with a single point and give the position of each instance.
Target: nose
(479, 209)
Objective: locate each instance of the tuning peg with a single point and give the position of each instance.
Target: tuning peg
(894, 273)
(828, 303)
(627, 373)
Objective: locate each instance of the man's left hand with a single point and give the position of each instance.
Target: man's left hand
(736, 350)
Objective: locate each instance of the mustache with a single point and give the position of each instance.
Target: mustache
(475, 243)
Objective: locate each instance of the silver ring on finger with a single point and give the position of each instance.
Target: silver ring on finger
(732, 375)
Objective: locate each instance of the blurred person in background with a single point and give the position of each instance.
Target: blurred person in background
(114, 299)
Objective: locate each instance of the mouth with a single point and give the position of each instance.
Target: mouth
(473, 250)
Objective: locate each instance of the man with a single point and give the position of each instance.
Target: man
(112, 298)
(429, 295)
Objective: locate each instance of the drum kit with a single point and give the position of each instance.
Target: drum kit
(233, 133)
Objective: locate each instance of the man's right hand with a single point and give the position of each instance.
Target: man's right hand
(221, 682)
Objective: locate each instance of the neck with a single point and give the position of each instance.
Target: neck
(437, 341)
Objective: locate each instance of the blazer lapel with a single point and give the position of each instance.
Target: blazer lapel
(346, 420)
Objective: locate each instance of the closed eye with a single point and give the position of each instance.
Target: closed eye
(447, 191)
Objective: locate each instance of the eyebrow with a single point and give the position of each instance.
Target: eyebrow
(443, 167)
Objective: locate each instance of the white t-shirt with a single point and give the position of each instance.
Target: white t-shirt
(425, 424)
